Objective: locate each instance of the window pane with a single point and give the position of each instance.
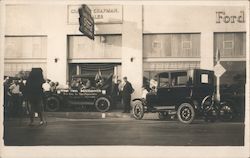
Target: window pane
(171, 45)
(105, 46)
(26, 47)
(179, 78)
(230, 44)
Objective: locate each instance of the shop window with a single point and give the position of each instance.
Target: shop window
(25, 47)
(235, 73)
(92, 69)
(20, 51)
(186, 44)
(228, 45)
(16, 69)
(231, 45)
(156, 46)
(171, 45)
(104, 46)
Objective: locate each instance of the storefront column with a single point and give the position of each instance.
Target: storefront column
(57, 45)
(57, 58)
(207, 50)
(2, 50)
(132, 47)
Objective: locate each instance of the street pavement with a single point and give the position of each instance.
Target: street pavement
(122, 131)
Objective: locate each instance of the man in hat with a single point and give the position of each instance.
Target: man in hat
(126, 94)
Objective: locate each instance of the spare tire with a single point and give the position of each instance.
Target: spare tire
(52, 104)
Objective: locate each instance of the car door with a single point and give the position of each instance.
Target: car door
(204, 84)
(179, 88)
(164, 89)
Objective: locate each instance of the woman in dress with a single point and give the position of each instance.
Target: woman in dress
(34, 94)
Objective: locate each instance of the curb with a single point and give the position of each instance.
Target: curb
(87, 115)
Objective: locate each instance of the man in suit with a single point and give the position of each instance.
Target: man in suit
(126, 95)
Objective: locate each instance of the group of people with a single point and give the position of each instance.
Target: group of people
(13, 95)
(50, 86)
(80, 84)
(29, 92)
(122, 90)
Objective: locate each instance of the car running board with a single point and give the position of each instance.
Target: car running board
(77, 103)
(164, 107)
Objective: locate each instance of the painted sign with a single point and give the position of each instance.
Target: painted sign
(224, 17)
(86, 22)
(100, 13)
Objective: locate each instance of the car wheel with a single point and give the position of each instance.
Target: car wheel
(226, 113)
(102, 104)
(186, 113)
(52, 104)
(137, 110)
(162, 115)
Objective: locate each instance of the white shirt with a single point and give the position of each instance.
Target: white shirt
(15, 89)
(144, 93)
(153, 83)
(46, 87)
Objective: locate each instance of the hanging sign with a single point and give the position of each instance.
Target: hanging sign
(86, 22)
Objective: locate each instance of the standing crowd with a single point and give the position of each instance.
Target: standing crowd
(25, 96)
(29, 94)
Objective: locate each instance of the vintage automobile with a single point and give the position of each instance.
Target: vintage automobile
(98, 97)
(185, 93)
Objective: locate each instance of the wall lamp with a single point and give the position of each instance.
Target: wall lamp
(56, 60)
(132, 59)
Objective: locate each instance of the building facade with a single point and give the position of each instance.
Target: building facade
(136, 41)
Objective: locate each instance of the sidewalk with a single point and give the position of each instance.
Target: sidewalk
(98, 115)
(115, 114)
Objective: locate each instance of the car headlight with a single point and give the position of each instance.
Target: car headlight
(58, 92)
(104, 92)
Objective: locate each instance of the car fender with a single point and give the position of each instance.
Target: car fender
(106, 96)
(142, 100)
(186, 100)
(139, 99)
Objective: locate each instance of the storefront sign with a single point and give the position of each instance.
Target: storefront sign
(101, 13)
(86, 22)
(224, 17)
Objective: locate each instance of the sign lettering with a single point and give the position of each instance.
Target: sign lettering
(86, 22)
(221, 16)
(100, 13)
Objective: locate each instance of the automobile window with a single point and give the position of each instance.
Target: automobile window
(164, 80)
(179, 79)
(205, 78)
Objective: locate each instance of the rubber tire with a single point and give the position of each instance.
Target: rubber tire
(228, 118)
(180, 111)
(163, 115)
(102, 99)
(137, 110)
(56, 102)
